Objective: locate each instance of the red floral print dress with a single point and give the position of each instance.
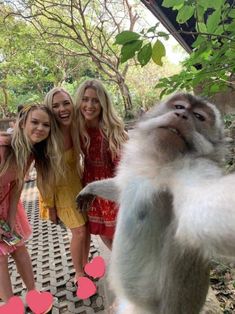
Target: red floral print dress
(98, 165)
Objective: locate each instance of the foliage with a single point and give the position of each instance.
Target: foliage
(228, 119)
(81, 29)
(212, 61)
(134, 43)
(50, 43)
(142, 81)
(29, 68)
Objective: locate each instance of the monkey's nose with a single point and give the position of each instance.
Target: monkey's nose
(182, 115)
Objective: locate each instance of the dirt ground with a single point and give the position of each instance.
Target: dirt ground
(222, 280)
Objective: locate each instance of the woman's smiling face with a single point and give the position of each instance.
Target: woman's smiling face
(90, 107)
(37, 126)
(62, 108)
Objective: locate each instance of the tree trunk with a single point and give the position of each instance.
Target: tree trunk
(125, 95)
(5, 102)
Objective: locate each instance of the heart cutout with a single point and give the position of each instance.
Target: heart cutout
(39, 302)
(14, 306)
(96, 268)
(86, 288)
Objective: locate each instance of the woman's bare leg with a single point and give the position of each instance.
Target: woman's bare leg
(108, 242)
(87, 246)
(77, 249)
(6, 291)
(24, 266)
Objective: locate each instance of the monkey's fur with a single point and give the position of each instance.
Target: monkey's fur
(177, 208)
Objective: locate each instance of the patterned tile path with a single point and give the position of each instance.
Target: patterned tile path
(52, 263)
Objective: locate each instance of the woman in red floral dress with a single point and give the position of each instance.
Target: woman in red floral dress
(102, 136)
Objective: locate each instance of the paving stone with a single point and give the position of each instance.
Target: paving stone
(52, 262)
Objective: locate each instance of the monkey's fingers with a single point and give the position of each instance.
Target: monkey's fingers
(84, 201)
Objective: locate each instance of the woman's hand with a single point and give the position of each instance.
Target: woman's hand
(53, 215)
(14, 198)
(1, 233)
(11, 219)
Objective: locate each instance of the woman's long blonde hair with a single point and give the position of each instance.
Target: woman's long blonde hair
(48, 101)
(45, 153)
(110, 123)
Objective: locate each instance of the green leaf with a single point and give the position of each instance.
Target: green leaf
(144, 55)
(171, 3)
(202, 28)
(184, 14)
(163, 92)
(129, 49)
(213, 21)
(177, 7)
(163, 34)
(216, 4)
(158, 52)
(232, 13)
(198, 41)
(230, 53)
(230, 27)
(193, 69)
(215, 88)
(199, 14)
(205, 55)
(219, 30)
(153, 28)
(126, 37)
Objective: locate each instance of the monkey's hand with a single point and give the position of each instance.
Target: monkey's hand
(84, 201)
(106, 189)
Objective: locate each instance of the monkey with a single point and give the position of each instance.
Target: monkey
(177, 207)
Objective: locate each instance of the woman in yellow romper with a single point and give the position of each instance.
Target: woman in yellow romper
(61, 204)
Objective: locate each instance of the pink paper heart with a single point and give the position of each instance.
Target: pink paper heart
(39, 302)
(96, 268)
(86, 288)
(14, 306)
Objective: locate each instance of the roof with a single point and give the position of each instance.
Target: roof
(167, 17)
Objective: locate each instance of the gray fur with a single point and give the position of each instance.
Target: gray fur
(175, 211)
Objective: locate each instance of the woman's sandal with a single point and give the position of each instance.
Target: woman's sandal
(76, 278)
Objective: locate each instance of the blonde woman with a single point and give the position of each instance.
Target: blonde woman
(102, 136)
(61, 203)
(33, 139)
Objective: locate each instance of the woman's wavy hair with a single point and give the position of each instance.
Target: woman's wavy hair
(45, 153)
(48, 101)
(110, 123)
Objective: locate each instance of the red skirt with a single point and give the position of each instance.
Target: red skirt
(102, 217)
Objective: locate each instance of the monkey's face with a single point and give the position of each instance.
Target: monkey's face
(182, 125)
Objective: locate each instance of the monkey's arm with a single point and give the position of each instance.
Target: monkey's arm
(206, 215)
(103, 188)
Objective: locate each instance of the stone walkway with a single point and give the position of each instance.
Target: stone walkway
(53, 268)
(52, 263)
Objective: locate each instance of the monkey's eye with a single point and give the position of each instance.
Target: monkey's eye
(199, 116)
(179, 107)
